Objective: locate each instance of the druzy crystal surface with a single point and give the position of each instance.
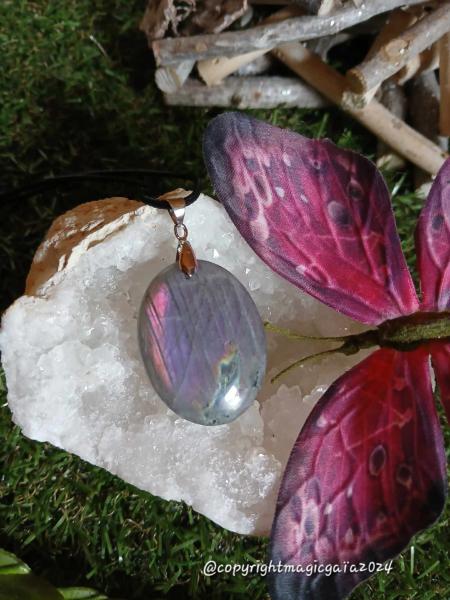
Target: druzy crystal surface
(203, 343)
(76, 378)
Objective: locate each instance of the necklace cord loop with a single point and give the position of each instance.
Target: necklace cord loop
(125, 177)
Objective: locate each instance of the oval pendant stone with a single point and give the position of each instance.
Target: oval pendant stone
(203, 343)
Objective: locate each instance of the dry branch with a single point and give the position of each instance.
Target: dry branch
(230, 43)
(444, 75)
(323, 45)
(375, 117)
(394, 99)
(169, 79)
(400, 50)
(395, 24)
(249, 92)
(424, 113)
(428, 60)
(258, 66)
(214, 70)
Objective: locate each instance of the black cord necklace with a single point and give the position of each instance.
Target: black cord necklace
(130, 177)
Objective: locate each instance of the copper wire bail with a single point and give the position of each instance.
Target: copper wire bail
(185, 256)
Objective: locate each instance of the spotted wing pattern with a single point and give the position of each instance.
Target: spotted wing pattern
(366, 473)
(433, 244)
(318, 215)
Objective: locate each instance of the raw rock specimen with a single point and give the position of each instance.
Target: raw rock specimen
(75, 377)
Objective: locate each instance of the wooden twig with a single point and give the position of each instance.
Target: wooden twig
(214, 70)
(400, 50)
(424, 114)
(444, 75)
(230, 43)
(395, 24)
(249, 92)
(375, 117)
(258, 66)
(428, 60)
(169, 79)
(394, 99)
(323, 45)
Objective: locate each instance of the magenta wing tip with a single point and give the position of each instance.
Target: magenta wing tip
(433, 244)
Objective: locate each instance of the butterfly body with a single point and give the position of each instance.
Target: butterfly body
(408, 332)
(368, 470)
(403, 334)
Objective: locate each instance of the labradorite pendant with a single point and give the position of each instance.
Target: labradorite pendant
(203, 343)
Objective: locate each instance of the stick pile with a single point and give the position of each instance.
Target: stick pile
(227, 54)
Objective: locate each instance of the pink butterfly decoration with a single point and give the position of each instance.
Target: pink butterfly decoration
(368, 469)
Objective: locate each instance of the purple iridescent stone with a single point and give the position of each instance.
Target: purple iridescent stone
(203, 343)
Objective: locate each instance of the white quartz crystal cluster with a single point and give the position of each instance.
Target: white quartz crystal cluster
(75, 377)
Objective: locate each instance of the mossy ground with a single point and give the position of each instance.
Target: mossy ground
(76, 94)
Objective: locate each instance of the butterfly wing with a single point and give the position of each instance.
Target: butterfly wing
(366, 473)
(318, 215)
(440, 358)
(433, 244)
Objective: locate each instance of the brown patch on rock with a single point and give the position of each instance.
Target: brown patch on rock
(71, 229)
